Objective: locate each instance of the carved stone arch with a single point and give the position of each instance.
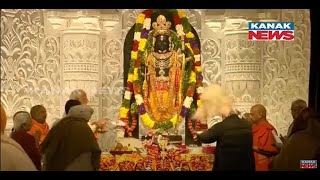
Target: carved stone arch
(129, 17)
(194, 18)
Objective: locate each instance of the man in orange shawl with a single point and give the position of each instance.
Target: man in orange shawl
(263, 139)
(40, 127)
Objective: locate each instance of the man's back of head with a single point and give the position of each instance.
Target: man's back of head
(71, 103)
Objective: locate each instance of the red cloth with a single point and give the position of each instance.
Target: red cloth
(28, 143)
(264, 140)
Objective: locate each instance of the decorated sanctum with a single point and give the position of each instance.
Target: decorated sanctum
(144, 71)
(164, 80)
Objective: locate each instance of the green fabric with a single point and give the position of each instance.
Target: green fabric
(66, 141)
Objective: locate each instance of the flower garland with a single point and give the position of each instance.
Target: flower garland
(192, 79)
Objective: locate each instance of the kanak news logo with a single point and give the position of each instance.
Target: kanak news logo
(271, 31)
(308, 164)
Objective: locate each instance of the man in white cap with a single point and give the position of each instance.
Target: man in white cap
(22, 123)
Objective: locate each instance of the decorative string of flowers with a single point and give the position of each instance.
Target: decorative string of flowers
(133, 102)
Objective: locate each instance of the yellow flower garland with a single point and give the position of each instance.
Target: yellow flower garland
(181, 13)
(123, 112)
(190, 35)
(140, 18)
(146, 119)
(142, 44)
(198, 69)
(193, 77)
(188, 46)
(135, 74)
(130, 77)
(198, 103)
(174, 120)
(150, 123)
(134, 55)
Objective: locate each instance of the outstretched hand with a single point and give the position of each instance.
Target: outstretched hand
(101, 125)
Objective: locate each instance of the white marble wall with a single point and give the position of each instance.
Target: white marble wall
(43, 55)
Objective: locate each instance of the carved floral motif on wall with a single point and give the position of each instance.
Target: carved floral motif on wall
(30, 63)
(286, 70)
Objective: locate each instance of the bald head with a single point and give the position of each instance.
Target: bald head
(297, 107)
(39, 113)
(258, 113)
(79, 95)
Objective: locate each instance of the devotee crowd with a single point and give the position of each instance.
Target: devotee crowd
(248, 142)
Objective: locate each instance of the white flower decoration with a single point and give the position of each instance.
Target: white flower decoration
(197, 57)
(147, 23)
(200, 90)
(137, 36)
(187, 102)
(139, 99)
(127, 95)
(179, 29)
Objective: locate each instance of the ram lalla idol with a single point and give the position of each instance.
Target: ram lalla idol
(164, 79)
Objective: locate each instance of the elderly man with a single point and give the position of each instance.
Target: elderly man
(22, 123)
(81, 95)
(40, 127)
(263, 138)
(233, 134)
(13, 157)
(297, 107)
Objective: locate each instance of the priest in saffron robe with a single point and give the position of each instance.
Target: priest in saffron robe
(40, 127)
(263, 139)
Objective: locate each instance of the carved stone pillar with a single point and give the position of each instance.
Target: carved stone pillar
(242, 64)
(212, 40)
(112, 65)
(81, 59)
(29, 63)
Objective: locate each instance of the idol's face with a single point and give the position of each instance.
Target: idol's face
(162, 44)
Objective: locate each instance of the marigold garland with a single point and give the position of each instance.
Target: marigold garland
(192, 80)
